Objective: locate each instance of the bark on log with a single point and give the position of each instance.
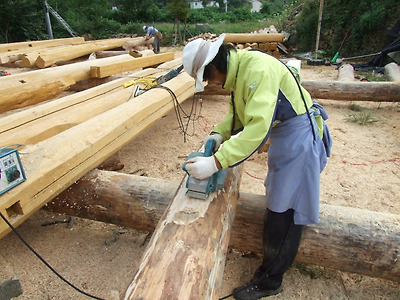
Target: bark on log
(392, 72)
(353, 91)
(242, 38)
(349, 239)
(338, 90)
(54, 164)
(195, 234)
(24, 89)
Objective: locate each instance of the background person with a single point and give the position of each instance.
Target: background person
(153, 32)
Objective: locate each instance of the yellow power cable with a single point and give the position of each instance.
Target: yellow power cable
(147, 82)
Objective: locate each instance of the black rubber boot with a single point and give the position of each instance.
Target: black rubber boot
(281, 240)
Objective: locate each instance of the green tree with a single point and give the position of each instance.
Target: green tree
(16, 26)
(179, 9)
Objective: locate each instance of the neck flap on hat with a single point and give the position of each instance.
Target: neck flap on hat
(200, 57)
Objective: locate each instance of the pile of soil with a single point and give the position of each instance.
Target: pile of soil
(101, 259)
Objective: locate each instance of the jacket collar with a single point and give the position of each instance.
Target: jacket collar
(233, 65)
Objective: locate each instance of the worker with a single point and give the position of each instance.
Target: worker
(266, 102)
(151, 31)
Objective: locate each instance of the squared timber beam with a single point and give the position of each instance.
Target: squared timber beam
(129, 63)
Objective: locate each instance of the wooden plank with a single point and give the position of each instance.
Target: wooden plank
(24, 89)
(128, 63)
(20, 47)
(54, 164)
(348, 239)
(195, 235)
(243, 38)
(49, 57)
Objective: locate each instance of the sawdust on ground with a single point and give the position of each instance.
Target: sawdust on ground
(363, 172)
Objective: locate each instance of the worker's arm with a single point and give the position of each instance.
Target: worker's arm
(258, 116)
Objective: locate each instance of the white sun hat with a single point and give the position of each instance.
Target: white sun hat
(196, 55)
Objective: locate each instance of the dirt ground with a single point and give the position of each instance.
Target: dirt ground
(363, 172)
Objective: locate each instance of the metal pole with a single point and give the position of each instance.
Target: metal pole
(48, 23)
(321, 8)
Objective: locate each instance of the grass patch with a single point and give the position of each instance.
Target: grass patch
(313, 272)
(361, 118)
(369, 76)
(355, 107)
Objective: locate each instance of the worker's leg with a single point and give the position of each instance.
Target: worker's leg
(156, 44)
(281, 241)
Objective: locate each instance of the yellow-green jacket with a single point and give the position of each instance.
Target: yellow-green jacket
(264, 92)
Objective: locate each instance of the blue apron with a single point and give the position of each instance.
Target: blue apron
(295, 161)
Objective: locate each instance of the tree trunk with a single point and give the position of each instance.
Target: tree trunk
(349, 239)
(195, 235)
(353, 91)
(338, 90)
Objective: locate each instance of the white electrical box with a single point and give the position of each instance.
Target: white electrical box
(11, 171)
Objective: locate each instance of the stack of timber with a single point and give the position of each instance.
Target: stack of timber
(43, 54)
(13, 52)
(28, 88)
(265, 41)
(66, 137)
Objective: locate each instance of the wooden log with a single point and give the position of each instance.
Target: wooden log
(353, 91)
(392, 72)
(52, 56)
(110, 53)
(24, 89)
(141, 41)
(242, 38)
(47, 57)
(54, 164)
(349, 239)
(195, 235)
(338, 90)
(127, 63)
(346, 73)
(43, 121)
(20, 47)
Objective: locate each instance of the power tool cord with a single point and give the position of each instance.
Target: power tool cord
(46, 263)
(179, 111)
